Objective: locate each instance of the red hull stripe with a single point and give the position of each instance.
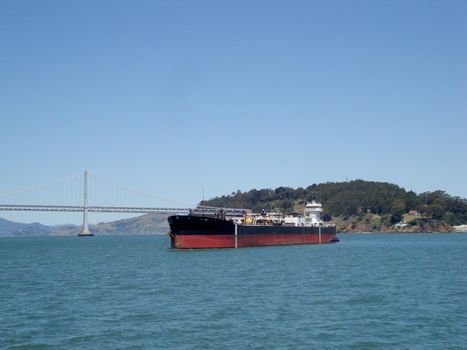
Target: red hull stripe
(228, 241)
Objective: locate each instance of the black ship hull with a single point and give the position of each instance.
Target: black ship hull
(190, 232)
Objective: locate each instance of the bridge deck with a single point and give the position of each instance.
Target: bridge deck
(107, 209)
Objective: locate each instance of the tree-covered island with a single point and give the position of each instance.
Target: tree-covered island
(359, 206)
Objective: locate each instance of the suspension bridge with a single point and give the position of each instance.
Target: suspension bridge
(86, 193)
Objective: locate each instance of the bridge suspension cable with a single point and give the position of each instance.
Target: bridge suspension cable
(147, 195)
(41, 187)
(67, 191)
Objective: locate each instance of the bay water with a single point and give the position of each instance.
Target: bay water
(379, 291)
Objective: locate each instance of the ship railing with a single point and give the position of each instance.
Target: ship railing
(216, 211)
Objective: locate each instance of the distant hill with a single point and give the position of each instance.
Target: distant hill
(7, 226)
(145, 224)
(359, 205)
(11, 228)
(142, 225)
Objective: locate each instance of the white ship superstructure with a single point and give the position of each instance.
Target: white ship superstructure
(311, 217)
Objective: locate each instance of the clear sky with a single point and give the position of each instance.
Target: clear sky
(170, 96)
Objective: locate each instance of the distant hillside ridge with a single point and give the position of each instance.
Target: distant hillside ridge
(147, 224)
(380, 204)
(11, 228)
(7, 226)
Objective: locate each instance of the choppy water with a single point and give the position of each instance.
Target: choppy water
(366, 292)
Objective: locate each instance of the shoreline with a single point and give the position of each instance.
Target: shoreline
(398, 232)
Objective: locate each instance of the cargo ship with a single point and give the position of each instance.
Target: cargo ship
(233, 228)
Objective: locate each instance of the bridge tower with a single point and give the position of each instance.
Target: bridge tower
(86, 232)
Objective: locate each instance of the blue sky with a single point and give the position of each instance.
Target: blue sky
(170, 96)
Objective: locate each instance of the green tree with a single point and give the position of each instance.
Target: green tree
(395, 218)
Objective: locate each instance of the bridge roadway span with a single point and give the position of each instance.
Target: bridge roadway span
(105, 209)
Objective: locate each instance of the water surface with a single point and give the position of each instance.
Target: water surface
(404, 291)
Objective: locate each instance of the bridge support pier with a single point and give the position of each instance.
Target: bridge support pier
(86, 232)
